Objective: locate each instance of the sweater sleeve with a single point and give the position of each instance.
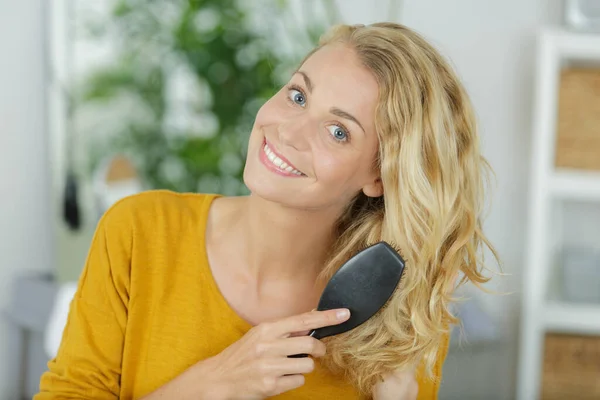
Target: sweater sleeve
(88, 362)
(429, 388)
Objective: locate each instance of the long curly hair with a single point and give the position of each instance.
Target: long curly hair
(433, 178)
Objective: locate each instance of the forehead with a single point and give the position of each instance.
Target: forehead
(340, 80)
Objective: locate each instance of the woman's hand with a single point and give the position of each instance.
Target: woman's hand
(401, 385)
(257, 366)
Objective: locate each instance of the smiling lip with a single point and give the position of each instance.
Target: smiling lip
(277, 163)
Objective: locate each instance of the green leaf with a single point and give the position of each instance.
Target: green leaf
(121, 9)
(105, 84)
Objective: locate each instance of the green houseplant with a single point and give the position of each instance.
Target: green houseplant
(192, 74)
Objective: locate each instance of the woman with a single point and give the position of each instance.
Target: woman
(188, 296)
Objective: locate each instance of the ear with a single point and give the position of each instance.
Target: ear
(374, 189)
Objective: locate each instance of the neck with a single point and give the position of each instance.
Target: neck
(282, 242)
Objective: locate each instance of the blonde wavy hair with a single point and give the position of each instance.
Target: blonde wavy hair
(434, 179)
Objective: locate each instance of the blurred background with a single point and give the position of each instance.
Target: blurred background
(99, 100)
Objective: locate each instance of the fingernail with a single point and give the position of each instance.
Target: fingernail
(343, 314)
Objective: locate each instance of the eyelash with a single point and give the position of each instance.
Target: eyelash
(337, 123)
(294, 87)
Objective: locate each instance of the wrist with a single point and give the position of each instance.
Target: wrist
(204, 376)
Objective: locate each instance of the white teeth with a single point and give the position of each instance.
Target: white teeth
(278, 162)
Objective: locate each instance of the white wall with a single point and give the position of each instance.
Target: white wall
(490, 43)
(25, 212)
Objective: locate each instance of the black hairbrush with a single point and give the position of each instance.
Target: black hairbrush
(363, 285)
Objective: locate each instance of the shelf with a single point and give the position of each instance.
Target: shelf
(576, 185)
(556, 49)
(574, 318)
(575, 44)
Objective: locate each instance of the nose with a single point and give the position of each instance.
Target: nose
(296, 132)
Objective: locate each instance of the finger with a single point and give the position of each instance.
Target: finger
(296, 345)
(310, 320)
(287, 383)
(294, 366)
(301, 333)
(282, 366)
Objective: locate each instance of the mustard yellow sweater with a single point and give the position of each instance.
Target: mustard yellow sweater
(147, 308)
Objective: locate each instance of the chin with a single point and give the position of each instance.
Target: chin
(288, 194)
(260, 184)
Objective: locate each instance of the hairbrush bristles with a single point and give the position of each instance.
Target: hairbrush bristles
(396, 248)
(393, 245)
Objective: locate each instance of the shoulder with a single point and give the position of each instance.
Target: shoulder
(150, 209)
(160, 201)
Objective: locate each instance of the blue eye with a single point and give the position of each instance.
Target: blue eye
(297, 97)
(338, 133)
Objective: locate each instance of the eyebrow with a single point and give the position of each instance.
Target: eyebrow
(333, 110)
(344, 114)
(307, 80)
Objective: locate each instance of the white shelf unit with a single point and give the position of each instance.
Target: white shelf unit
(547, 185)
(569, 184)
(572, 318)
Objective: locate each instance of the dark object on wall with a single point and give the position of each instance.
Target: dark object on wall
(71, 211)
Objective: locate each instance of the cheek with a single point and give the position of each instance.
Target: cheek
(272, 112)
(342, 168)
(329, 166)
(263, 114)
(333, 167)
